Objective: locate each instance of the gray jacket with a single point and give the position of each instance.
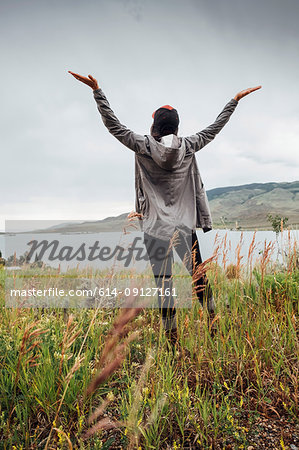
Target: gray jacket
(170, 194)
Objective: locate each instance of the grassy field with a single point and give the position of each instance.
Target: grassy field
(237, 388)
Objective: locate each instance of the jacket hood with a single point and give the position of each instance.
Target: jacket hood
(169, 152)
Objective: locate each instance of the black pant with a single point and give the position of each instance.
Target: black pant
(160, 253)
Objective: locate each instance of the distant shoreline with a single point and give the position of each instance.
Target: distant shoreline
(243, 208)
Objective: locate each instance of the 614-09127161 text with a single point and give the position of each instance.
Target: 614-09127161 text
(103, 292)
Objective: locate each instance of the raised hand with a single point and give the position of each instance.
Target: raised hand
(246, 92)
(89, 81)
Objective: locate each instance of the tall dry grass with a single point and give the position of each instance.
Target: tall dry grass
(108, 379)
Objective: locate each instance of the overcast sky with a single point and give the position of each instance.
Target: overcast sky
(57, 159)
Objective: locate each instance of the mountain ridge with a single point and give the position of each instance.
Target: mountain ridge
(242, 207)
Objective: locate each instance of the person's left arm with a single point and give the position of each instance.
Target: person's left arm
(127, 137)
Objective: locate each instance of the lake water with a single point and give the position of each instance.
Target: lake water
(230, 240)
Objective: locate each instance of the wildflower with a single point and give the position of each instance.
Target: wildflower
(110, 396)
(145, 391)
(282, 444)
(57, 355)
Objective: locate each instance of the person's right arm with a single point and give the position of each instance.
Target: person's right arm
(202, 138)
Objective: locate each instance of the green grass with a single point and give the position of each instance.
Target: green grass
(208, 393)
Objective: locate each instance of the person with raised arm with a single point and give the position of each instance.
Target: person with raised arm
(170, 196)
